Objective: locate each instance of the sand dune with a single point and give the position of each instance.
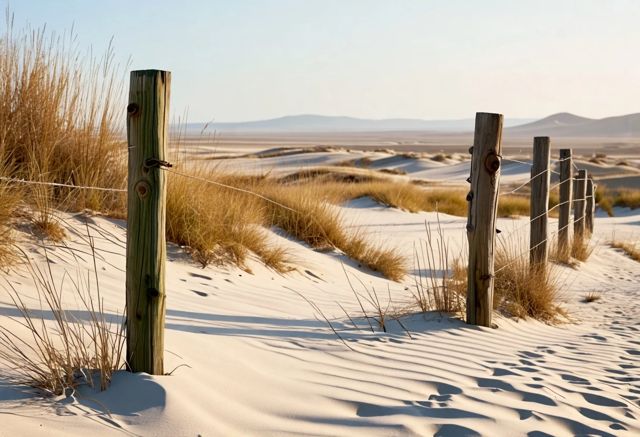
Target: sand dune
(261, 363)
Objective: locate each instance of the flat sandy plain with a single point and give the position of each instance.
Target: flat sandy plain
(414, 142)
(620, 168)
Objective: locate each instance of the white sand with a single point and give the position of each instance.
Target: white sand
(261, 363)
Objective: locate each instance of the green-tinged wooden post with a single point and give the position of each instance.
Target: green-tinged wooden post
(539, 210)
(147, 130)
(579, 202)
(566, 189)
(481, 223)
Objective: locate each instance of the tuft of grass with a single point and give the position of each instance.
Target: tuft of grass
(631, 249)
(68, 350)
(581, 249)
(592, 296)
(440, 157)
(437, 287)
(522, 290)
(393, 171)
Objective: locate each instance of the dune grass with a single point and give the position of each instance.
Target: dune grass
(70, 350)
(58, 110)
(521, 290)
(222, 225)
(630, 248)
(301, 212)
(607, 198)
(592, 296)
(581, 249)
(441, 283)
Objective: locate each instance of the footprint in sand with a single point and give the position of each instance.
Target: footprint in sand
(597, 415)
(450, 429)
(313, 275)
(595, 337)
(200, 276)
(575, 379)
(496, 385)
(602, 401)
(503, 372)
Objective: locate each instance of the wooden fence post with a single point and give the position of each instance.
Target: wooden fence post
(147, 129)
(540, 177)
(590, 206)
(580, 204)
(483, 208)
(566, 188)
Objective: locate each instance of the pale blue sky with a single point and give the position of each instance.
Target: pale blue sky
(252, 59)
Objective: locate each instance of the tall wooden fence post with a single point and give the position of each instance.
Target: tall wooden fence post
(483, 208)
(147, 129)
(579, 210)
(591, 205)
(566, 189)
(540, 178)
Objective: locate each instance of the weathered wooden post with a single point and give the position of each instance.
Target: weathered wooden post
(483, 208)
(540, 177)
(580, 204)
(147, 129)
(590, 206)
(566, 188)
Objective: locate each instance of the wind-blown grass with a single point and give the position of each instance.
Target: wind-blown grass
(69, 350)
(58, 110)
(630, 248)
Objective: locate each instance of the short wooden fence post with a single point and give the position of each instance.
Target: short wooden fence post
(147, 129)
(579, 210)
(483, 208)
(540, 178)
(566, 189)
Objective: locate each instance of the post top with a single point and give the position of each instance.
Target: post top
(148, 72)
(490, 114)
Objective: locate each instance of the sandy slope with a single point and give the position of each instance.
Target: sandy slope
(261, 363)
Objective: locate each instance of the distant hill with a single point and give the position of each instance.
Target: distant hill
(562, 124)
(324, 123)
(565, 124)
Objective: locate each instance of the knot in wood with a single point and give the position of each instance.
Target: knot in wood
(143, 188)
(469, 196)
(132, 108)
(492, 162)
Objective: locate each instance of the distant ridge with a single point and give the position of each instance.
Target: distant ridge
(565, 124)
(562, 124)
(325, 123)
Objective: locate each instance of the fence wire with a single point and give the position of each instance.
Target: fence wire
(550, 235)
(58, 184)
